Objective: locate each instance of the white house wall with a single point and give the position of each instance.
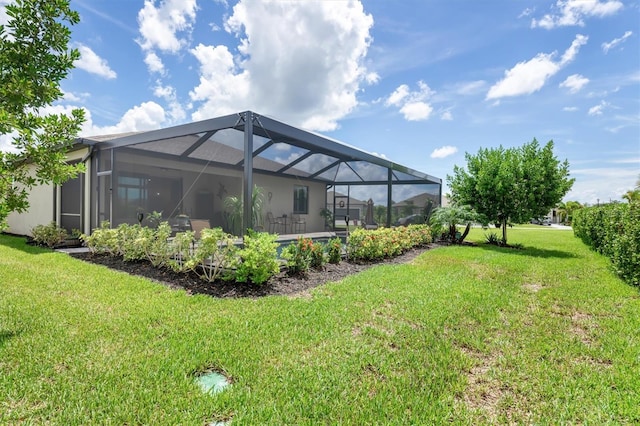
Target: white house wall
(42, 204)
(40, 211)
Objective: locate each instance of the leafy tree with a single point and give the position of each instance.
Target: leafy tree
(511, 185)
(34, 58)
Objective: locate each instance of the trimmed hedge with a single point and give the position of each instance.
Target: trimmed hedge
(614, 231)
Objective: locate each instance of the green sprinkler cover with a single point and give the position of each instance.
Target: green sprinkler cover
(212, 383)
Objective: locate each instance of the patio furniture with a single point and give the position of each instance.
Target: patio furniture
(197, 225)
(275, 224)
(298, 224)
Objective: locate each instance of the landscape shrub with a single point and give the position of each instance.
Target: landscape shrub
(156, 244)
(303, 255)
(334, 250)
(420, 234)
(48, 235)
(129, 238)
(214, 256)
(181, 249)
(369, 245)
(492, 238)
(102, 240)
(258, 260)
(614, 231)
(364, 244)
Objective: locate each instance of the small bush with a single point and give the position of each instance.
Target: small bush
(181, 249)
(48, 235)
(130, 240)
(258, 259)
(302, 255)
(334, 250)
(156, 244)
(215, 255)
(492, 238)
(102, 240)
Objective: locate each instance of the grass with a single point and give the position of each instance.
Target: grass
(463, 335)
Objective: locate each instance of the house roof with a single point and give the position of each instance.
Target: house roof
(419, 200)
(352, 201)
(278, 148)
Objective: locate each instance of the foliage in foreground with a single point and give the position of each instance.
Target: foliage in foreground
(34, 57)
(614, 231)
(511, 185)
(215, 256)
(462, 335)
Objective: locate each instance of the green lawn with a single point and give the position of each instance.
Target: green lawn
(463, 335)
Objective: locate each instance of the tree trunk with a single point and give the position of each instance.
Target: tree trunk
(504, 232)
(465, 233)
(452, 233)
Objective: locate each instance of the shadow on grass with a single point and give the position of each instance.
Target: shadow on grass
(19, 242)
(5, 335)
(530, 251)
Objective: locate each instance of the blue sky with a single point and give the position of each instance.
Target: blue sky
(419, 82)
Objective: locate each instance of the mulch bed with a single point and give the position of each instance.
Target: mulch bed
(281, 284)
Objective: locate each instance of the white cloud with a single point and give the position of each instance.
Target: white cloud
(398, 95)
(570, 54)
(603, 184)
(471, 87)
(166, 28)
(570, 109)
(300, 61)
(146, 116)
(597, 109)
(573, 12)
(444, 151)
(527, 12)
(446, 116)
(159, 26)
(530, 76)
(168, 93)
(416, 111)
(574, 83)
(154, 63)
(412, 104)
(94, 64)
(372, 78)
(615, 42)
(75, 97)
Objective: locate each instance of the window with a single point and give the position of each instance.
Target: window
(300, 199)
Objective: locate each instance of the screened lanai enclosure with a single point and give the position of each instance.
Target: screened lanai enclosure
(297, 181)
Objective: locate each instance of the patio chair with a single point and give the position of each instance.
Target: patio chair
(298, 224)
(275, 224)
(197, 225)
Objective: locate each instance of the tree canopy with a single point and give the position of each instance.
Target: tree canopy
(34, 58)
(511, 185)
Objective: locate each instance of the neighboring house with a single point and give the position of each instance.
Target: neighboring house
(191, 169)
(415, 204)
(345, 205)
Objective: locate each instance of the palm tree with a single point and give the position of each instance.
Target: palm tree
(634, 194)
(235, 206)
(561, 208)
